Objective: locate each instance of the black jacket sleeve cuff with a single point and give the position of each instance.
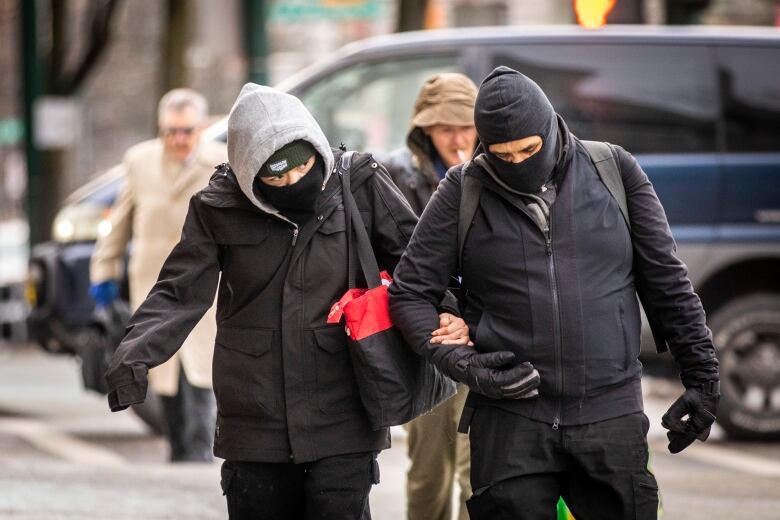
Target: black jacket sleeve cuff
(126, 386)
(449, 304)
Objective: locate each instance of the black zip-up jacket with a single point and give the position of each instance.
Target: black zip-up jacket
(416, 180)
(283, 378)
(565, 301)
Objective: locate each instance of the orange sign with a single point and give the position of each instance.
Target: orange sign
(593, 13)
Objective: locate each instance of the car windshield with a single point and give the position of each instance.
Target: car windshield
(105, 194)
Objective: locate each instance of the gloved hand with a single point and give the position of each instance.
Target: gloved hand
(104, 293)
(700, 404)
(492, 374)
(126, 386)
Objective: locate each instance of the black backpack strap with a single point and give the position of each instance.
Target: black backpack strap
(470, 190)
(603, 157)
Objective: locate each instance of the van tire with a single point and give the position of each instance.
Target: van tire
(746, 332)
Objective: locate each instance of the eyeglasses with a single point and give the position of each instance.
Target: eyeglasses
(172, 130)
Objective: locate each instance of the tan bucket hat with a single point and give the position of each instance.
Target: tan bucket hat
(445, 99)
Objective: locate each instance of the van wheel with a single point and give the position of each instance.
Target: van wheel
(746, 333)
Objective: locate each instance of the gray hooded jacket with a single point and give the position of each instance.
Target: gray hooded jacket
(262, 121)
(283, 377)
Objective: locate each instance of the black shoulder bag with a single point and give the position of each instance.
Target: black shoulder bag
(395, 383)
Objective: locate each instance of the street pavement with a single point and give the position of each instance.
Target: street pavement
(63, 455)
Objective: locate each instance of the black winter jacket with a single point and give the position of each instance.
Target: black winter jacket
(566, 302)
(417, 180)
(282, 377)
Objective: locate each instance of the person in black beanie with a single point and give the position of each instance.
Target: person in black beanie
(268, 236)
(551, 263)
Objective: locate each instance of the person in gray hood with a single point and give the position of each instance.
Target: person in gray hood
(268, 235)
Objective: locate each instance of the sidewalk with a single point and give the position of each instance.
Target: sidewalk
(64, 455)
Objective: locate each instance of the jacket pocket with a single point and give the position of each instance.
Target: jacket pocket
(631, 326)
(337, 390)
(606, 349)
(624, 333)
(241, 233)
(367, 217)
(645, 496)
(330, 243)
(335, 223)
(245, 371)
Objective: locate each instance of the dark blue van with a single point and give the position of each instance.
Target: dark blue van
(698, 106)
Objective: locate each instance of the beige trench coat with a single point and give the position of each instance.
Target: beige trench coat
(151, 208)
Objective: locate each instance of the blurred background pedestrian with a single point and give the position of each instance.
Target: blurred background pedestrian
(162, 175)
(442, 135)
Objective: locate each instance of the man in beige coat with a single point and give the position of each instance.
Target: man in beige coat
(162, 175)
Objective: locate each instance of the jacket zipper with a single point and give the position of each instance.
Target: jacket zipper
(556, 320)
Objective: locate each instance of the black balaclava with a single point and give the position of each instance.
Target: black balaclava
(510, 106)
(296, 198)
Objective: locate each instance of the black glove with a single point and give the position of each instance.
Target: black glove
(700, 404)
(126, 386)
(492, 374)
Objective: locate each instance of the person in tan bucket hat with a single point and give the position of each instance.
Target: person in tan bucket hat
(442, 135)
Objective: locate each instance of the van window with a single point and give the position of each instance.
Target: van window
(750, 91)
(646, 98)
(368, 106)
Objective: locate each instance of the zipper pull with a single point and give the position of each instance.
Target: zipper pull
(547, 238)
(295, 236)
(556, 422)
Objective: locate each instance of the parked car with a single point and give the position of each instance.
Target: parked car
(14, 252)
(700, 109)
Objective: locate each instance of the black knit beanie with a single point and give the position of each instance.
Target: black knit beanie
(286, 158)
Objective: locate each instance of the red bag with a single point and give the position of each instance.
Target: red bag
(366, 311)
(395, 383)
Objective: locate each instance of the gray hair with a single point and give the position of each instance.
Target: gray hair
(180, 98)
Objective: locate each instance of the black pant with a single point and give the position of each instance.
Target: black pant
(190, 417)
(327, 489)
(520, 467)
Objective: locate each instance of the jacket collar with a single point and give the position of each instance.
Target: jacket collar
(422, 150)
(567, 150)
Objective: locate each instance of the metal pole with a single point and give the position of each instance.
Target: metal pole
(256, 38)
(32, 87)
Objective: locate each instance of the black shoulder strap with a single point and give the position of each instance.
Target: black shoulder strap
(603, 158)
(470, 190)
(360, 243)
